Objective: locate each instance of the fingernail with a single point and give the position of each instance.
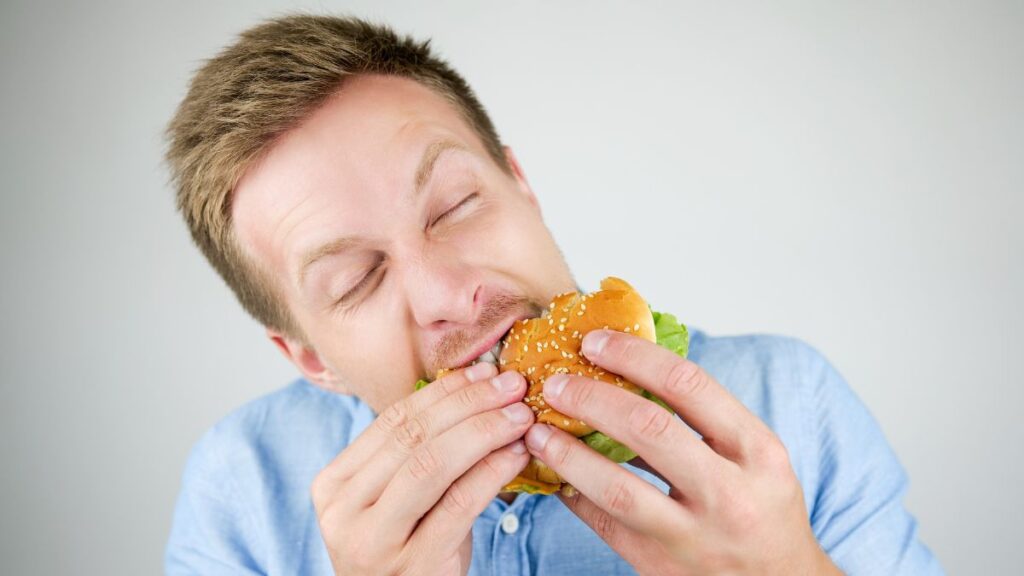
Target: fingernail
(506, 381)
(479, 371)
(554, 385)
(537, 436)
(518, 447)
(518, 412)
(593, 343)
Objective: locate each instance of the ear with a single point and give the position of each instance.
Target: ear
(308, 361)
(520, 176)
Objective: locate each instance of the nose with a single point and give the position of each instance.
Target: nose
(442, 290)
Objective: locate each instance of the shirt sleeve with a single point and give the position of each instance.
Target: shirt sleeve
(211, 532)
(858, 515)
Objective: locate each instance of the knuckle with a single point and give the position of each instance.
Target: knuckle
(457, 500)
(492, 466)
(619, 497)
(649, 421)
(411, 434)
(582, 394)
(393, 417)
(485, 426)
(424, 464)
(468, 398)
(604, 525)
(684, 378)
(771, 453)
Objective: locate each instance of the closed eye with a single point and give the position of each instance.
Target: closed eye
(455, 208)
(363, 283)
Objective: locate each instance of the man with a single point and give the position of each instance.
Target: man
(353, 193)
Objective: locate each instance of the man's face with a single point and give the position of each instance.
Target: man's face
(398, 245)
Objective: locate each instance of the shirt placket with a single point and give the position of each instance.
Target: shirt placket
(511, 531)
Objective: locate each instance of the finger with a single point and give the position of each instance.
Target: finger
(435, 420)
(721, 419)
(648, 429)
(398, 414)
(623, 495)
(448, 522)
(432, 469)
(632, 546)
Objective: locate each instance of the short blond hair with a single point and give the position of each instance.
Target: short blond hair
(272, 77)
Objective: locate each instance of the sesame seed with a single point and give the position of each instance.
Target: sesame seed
(561, 328)
(627, 329)
(565, 422)
(583, 306)
(525, 348)
(563, 320)
(636, 327)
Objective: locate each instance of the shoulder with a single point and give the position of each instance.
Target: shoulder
(273, 425)
(247, 479)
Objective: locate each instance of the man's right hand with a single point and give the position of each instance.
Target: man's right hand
(403, 497)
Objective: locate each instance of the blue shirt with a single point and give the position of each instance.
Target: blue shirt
(245, 508)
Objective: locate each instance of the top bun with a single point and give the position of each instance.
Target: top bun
(540, 347)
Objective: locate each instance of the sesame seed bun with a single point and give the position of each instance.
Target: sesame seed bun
(540, 347)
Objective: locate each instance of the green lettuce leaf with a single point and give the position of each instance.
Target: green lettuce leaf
(421, 383)
(610, 447)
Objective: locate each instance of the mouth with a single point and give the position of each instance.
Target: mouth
(490, 349)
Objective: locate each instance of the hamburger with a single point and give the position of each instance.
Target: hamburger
(540, 347)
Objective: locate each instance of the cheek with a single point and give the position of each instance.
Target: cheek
(373, 359)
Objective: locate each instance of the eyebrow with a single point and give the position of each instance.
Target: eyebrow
(423, 173)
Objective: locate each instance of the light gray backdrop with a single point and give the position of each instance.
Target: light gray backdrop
(846, 172)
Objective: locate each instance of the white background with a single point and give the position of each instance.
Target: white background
(849, 173)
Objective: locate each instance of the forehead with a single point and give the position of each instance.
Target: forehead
(360, 148)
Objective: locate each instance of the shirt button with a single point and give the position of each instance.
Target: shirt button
(509, 524)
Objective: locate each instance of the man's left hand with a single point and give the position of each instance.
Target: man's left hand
(734, 506)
